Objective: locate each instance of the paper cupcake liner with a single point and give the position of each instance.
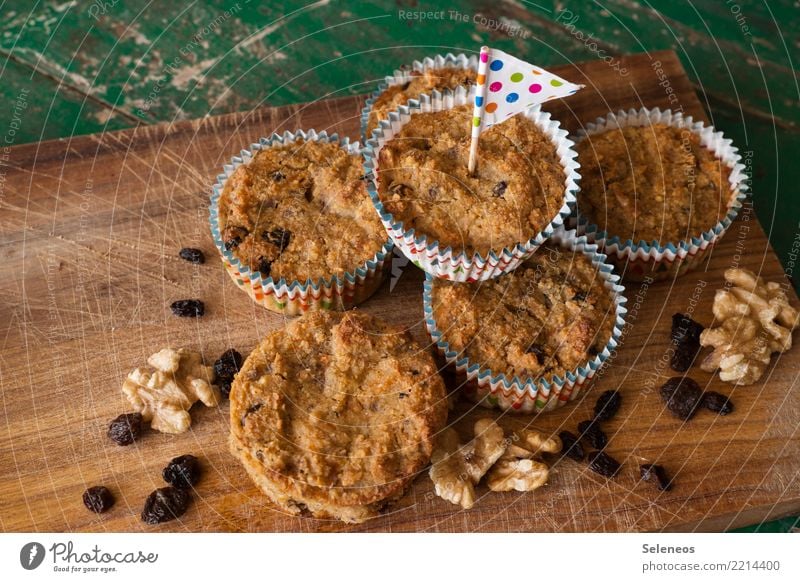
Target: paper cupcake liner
(296, 297)
(403, 75)
(656, 260)
(531, 395)
(444, 262)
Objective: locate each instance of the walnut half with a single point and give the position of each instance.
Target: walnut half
(754, 321)
(519, 469)
(164, 395)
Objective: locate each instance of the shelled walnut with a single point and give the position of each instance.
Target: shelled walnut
(754, 321)
(164, 395)
(520, 468)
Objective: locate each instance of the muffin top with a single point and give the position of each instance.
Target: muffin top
(300, 211)
(546, 318)
(338, 408)
(653, 183)
(517, 190)
(438, 79)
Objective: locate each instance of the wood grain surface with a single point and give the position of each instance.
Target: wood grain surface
(91, 228)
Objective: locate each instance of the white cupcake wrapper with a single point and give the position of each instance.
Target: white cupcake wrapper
(444, 262)
(531, 395)
(654, 258)
(404, 75)
(296, 297)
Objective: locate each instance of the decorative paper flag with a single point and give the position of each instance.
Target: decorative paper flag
(506, 86)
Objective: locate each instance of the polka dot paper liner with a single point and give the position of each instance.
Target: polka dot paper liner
(296, 297)
(666, 259)
(405, 74)
(425, 252)
(495, 389)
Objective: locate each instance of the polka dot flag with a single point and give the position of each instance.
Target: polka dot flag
(506, 86)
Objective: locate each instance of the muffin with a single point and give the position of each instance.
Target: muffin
(295, 225)
(656, 181)
(462, 227)
(334, 415)
(414, 84)
(526, 335)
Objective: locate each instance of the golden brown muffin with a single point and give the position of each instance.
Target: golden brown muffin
(336, 414)
(546, 318)
(300, 211)
(517, 190)
(652, 183)
(438, 79)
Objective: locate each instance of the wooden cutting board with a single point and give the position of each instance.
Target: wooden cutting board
(91, 228)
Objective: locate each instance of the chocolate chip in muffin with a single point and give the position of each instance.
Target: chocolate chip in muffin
(233, 236)
(264, 266)
(499, 189)
(278, 176)
(579, 296)
(98, 499)
(433, 193)
(279, 237)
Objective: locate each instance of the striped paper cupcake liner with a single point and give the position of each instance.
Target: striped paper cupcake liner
(426, 253)
(655, 259)
(406, 74)
(337, 292)
(531, 395)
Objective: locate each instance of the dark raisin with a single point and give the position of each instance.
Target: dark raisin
(433, 193)
(165, 504)
(278, 176)
(499, 189)
(233, 236)
(683, 397)
(195, 256)
(580, 296)
(718, 403)
(601, 463)
(686, 342)
(182, 472)
(125, 429)
(538, 351)
(264, 266)
(405, 85)
(591, 431)
(188, 308)
(607, 405)
(657, 475)
(572, 447)
(98, 499)
(225, 368)
(278, 236)
(402, 395)
(593, 351)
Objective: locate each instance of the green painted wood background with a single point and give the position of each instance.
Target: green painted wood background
(78, 67)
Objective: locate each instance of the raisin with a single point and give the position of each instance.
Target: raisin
(182, 472)
(188, 308)
(233, 236)
(572, 447)
(433, 193)
(683, 396)
(499, 189)
(278, 176)
(195, 256)
(264, 266)
(125, 429)
(165, 504)
(591, 431)
(607, 405)
(580, 296)
(538, 351)
(279, 237)
(657, 475)
(686, 341)
(603, 464)
(718, 403)
(225, 368)
(405, 85)
(98, 499)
